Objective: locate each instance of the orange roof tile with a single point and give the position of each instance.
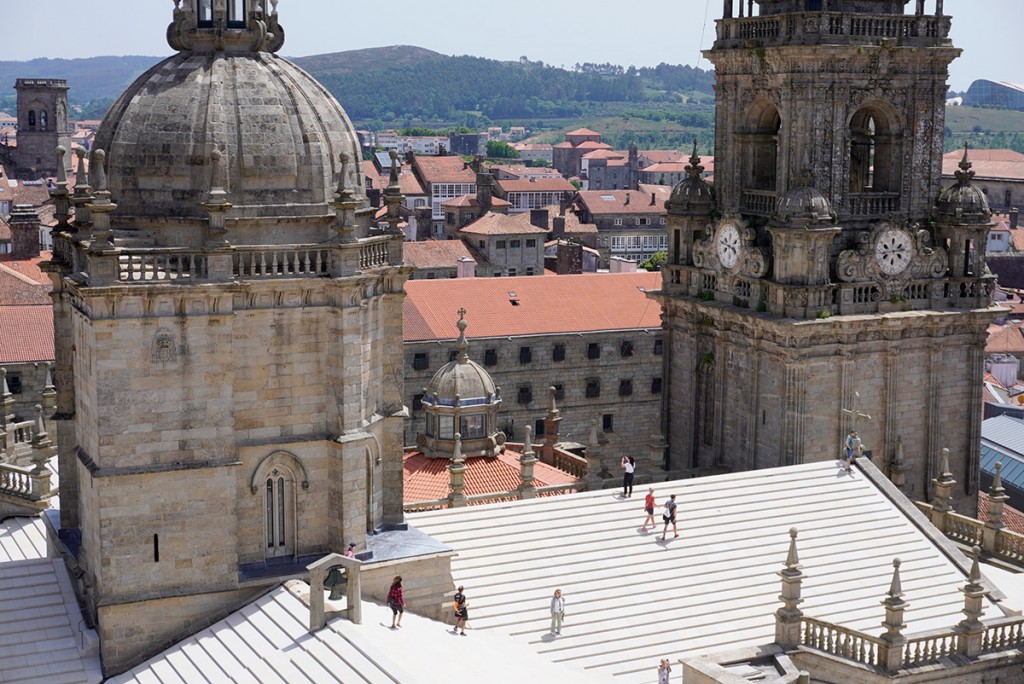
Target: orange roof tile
(558, 184)
(583, 131)
(600, 202)
(28, 268)
(603, 154)
(546, 305)
(471, 201)
(500, 224)
(407, 180)
(983, 155)
(426, 479)
(663, 156)
(1012, 518)
(593, 145)
(444, 170)
(435, 253)
(26, 334)
(1004, 339)
(562, 146)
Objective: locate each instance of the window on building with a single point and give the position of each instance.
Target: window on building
(538, 427)
(594, 350)
(625, 388)
(500, 244)
(607, 423)
(636, 221)
(236, 13)
(497, 274)
(481, 244)
(617, 222)
(420, 361)
(662, 220)
(593, 388)
(558, 352)
(626, 348)
(446, 427)
(417, 402)
(472, 426)
(452, 355)
(490, 357)
(656, 386)
(659, 347)
(525, 395)
(512, 274)
(450, 218)
(14, 383)
(431, 275)
(42, 120)
(31, 119)
(525, 355)
(529, 270)
(559, 391)
(514, 244)
(531, 243)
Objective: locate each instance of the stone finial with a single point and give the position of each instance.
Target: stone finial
(217, 194)
(694, 168)
(971, 630)
(49, 392)
(393, 196)
(98, 172)
(526, 462)
(896, 585)
(552, 402)
(965, 174)
(890, 651)
(456, 475)
(997, 498)
(60, 193)
(217, 204)
(344, 194)
(462, 345)
(100, 207)
(789, 617)
(944, 465)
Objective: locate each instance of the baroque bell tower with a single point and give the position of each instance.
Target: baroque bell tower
(822, 282)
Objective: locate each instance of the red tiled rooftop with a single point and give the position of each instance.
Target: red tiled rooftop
(583, 131)
(26, 334)
(1008, 339)
(546, 305)
(984, 155)
(499, 224)
(1012, 518)
(407, 180)
(600, 202)
(603, 154)
(663, 156)
(426, 479)
(445, 170)
(435, 253)
(471, 201)
(593, 145)
(558, 184)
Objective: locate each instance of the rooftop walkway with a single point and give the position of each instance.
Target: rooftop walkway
(632, 599)
(42, 635)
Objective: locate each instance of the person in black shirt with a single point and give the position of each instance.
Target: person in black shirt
(461, 612)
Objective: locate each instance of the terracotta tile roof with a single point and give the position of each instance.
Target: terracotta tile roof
(471, 201)
(663, 156)
(26, 334)
(583, 131)
(1012, 518)
(983, 155)
(603, 154)
(435, 253)
(1017, 237)
(444, 170)
(558, 184)
(592, 145)
(562, 146)
(601, 202)
(546, 305)
(426, 479)
(500, 224)
(407, 180)
(531, 147)
(33, 193)
(666, 167)
(28, 268)
(1004, 339)
(523, 170)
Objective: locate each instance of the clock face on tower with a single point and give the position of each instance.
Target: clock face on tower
(728, 243)
(892, 251)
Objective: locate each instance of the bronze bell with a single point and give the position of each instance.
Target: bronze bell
(335, 582)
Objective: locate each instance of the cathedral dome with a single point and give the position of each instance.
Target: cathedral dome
(804, 204)
(693, 194)
(963, 202)
(463, 380)
(280, 132)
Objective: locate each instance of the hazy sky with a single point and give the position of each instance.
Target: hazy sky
(557, 32)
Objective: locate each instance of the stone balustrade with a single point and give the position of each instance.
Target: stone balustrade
(1002, 543)
(759, 202)
(840, 641)
(835, 27)
(283, 262)
(29, 486)
(163, 265)
(570, 463)
(928, 647)
(874, 204)
(1002, 633)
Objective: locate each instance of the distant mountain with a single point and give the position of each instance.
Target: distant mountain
(404, 82)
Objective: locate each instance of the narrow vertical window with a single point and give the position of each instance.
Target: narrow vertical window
(236, 13)
(270, 513)
(156, 548)
(280, 511)
(204, 13)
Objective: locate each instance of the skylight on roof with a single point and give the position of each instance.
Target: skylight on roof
(608, 198)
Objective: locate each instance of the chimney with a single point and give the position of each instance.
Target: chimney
(563, 204)
(570, 258)
(620, 265)
(627, 198)
(24, 223)
(467, 268)
(484, 190)
(539, 218)
(1013, 218)
(654, 198)
(558, 227)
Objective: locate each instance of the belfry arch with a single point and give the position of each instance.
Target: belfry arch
(761, 147)
(876, 145)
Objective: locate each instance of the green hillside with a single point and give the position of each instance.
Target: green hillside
(986, 129)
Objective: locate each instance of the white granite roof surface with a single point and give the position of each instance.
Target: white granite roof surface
(42, 635)
(632, 599)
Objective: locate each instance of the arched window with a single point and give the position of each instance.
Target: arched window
(874, 152)
(42, 121)
(31, 118)
(761, 149)
(279, 502)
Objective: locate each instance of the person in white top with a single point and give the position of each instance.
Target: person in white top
(629, 466)
(557, 612)
(664, 670)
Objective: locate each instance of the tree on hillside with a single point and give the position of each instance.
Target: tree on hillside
(655, 262)
(497, 149)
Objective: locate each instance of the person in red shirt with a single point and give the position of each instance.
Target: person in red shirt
(649, 509)
(396, 602)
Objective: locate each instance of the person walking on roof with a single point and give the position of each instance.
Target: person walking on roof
(649, 510)
(628, 466)
(557, 612)
(670, 516)
(396, 602)
(461, 607)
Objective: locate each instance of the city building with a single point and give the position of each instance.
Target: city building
(999, 174)
(998, 94)
(524, 194)
(816, 297)
(630, 223)
(594, 338)
(532, 152)
(443, 178)
(42, 126)
(566, 156)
